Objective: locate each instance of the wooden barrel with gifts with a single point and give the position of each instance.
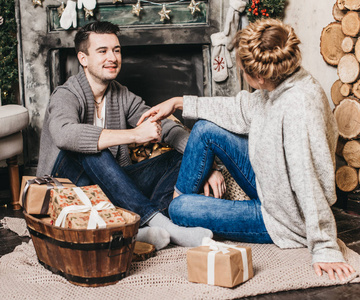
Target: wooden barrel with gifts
(95, 257)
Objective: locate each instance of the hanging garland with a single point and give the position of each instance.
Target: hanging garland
(8, 51)
(89, 6)
(257, 9)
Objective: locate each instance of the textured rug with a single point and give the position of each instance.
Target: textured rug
(163, 276)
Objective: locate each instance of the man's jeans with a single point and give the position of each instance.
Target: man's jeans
(144, 188)
(236, 220)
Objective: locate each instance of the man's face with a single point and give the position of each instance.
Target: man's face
(103, 61)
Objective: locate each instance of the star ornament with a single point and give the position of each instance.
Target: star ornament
(37, 2)
(137, 8)
(194, 7)
(61, 9)
(164, 14)
(88, 12)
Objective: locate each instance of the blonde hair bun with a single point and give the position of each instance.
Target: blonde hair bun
(268, 48)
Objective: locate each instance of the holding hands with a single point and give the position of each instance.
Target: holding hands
(148, 131)
(162, 110)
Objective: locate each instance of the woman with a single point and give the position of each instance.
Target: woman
(277, 142)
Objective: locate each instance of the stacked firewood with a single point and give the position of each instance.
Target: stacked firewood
(340, 46)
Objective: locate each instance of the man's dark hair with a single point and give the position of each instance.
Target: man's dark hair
(82, 36)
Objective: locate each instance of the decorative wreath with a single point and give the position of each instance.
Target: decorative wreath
(257, 9)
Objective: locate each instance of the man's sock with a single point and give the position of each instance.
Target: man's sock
(157, 236)
(183, 236)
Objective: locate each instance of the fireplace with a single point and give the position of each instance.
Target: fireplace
(160, 59)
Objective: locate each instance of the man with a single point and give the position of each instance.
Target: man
(89, 122)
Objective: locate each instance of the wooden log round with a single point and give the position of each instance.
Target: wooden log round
(347, 178)
(356, 89)
(351, 153)
(337, 13)
(348, 44)
(348, 68)
(346, 89)
(352, 4)
(350, 24)
(143, 251)
(330, 43)
(347, 115)
(336, 96)
(340, 4)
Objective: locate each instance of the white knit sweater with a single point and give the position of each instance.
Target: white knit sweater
(292, 140)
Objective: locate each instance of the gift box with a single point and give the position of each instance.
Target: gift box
(219, 264)
(35, 192)
(83, 208)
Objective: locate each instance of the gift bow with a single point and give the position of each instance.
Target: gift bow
(217, 247)
(94, 219)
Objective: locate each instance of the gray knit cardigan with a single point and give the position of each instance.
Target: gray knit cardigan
(68, 122)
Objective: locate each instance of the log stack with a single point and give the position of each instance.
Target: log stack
(340, 47)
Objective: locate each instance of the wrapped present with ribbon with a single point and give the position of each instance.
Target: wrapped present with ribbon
(35, 192)
(83, 208)
(219, 264)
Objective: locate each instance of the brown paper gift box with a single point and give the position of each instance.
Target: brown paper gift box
(61, 198)
(228, 270)
(36, 198)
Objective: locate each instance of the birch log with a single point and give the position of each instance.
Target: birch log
(352, 4)
(351, 153)
(347, 115)
(330, 43)
(347, 178)
(350, 24)
(336, 96)
(348, 68)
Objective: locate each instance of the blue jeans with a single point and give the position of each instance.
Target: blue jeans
(144, 188)
(230, 219)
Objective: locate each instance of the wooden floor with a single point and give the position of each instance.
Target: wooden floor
(348, 224)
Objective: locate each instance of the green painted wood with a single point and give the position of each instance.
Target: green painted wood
(122, 15)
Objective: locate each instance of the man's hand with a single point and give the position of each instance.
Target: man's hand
(162, 110)
(341, 269)
(148, 131)
(217, 183)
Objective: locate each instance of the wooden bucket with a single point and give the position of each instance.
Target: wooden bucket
(85, 257)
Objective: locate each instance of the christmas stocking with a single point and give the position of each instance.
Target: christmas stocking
(220, 57)
(232, 21)
(88, 4)
(68, 17)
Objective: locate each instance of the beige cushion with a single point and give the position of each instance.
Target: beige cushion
(11, 145)
(13, 118)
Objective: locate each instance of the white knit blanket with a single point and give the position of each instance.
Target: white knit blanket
(164, 276)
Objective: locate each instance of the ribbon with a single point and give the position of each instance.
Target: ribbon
(217, 247)
(47, 179)
(94, 219)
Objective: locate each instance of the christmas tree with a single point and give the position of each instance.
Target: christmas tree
(257, 9)
(8, 51)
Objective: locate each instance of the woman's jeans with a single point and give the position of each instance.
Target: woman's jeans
(144, 188)
(236, 220)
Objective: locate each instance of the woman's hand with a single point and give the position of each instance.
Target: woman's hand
(339, 268)
(162, 110)
(217, 183)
